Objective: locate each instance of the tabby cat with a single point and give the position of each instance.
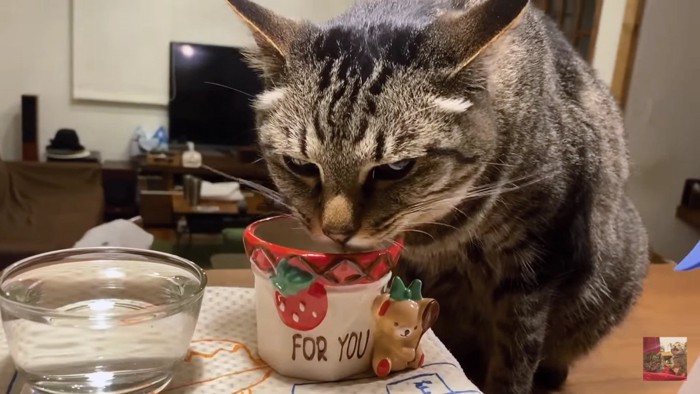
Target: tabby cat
(472, 129)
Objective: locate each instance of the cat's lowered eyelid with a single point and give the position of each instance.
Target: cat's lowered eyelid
(393, 171)
(301, 167)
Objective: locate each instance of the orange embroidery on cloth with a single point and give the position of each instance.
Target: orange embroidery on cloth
(236, 346)
(230, 347)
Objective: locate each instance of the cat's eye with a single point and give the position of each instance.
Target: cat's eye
(300, 167)
(393, 171)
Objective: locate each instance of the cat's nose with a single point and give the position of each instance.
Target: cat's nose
(338, 220)
(339, 237)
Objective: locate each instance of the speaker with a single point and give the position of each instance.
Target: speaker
(30, 128)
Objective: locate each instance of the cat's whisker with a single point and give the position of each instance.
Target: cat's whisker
(407, 115)
(285, 215)
(461, 212)
(393, 242)
(230, 88)
(294, 214)
(436, 224)
(508, 185)
(429, 204)
(497, 164)
(481, 191)
(412, 230)
(276, 200)
(501, 188)
(241, 180)
(267, 192)
(454, 201)
(530, 179)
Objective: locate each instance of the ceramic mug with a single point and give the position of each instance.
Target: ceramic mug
(314, 303)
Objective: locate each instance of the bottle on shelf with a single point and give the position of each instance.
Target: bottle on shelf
(191, 158)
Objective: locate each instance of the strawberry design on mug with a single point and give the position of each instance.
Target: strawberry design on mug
(302, 302)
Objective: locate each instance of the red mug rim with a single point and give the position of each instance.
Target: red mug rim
(332, 268)
(249, 232)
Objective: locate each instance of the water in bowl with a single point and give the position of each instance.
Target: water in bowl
(95, 347)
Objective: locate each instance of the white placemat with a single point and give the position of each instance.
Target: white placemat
(222, 359)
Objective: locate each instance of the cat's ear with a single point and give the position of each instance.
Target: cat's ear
(273, 35)
(464, 34)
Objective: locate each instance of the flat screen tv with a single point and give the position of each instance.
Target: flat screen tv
(211, 90)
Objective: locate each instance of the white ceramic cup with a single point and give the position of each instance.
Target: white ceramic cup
(314, 300)
(340, 347)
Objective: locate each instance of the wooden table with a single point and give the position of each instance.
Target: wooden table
(668, 307)
(213, 216)
(255, 205)
(205, 207)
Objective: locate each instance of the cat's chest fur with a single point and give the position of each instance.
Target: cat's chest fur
(466, 269)
(459, 272)
(464, 286)
(487, 241)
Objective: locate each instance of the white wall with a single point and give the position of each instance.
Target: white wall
(35, 39)
(35, 43)
(609, 29)
(35, 47)
(663, 120)
(120, 49)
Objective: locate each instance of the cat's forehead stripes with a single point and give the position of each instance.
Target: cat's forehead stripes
(355, 67)
(362, 48)
(354, 70)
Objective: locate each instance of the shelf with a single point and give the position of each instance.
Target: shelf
(255, 171)
(689, 216)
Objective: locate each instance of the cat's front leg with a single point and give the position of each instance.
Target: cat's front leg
(519, 325)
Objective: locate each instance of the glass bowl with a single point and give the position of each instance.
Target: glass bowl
(100, 320)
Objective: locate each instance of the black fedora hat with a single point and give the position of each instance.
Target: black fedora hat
(65, 140)
(65, 145)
